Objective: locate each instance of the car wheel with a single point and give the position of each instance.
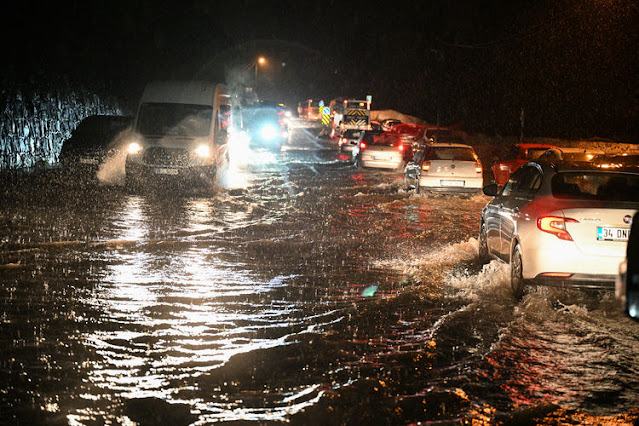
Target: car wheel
(407, 185)
(484, 256)
(516, 273)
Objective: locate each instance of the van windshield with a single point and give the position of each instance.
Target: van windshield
(175, 119)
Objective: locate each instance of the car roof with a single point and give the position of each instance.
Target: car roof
(535, 145)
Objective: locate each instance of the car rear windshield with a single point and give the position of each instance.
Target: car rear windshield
(175, 119)
(353, 134)
(595, 185)
(450, 153)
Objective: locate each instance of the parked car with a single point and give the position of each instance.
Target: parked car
(574, 155)
(519, 154)
(379, 150)
(561, 224)
(627, 285)
(349, 139)
(444, 167)
(95, 138)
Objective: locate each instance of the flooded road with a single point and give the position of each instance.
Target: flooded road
(300, 289)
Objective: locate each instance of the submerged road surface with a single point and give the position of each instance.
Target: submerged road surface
(300, 289)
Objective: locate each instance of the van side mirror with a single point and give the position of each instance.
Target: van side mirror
(491, 189)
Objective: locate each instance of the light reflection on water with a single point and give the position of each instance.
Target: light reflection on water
(248, 305)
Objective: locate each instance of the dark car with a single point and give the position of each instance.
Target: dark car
(266, 128)
(95, 138)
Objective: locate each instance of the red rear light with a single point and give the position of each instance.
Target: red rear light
(362, 145)
(400, 147)
(426, 166)
(555, 225)
(478, 167)
(556, 274)
(342, 141)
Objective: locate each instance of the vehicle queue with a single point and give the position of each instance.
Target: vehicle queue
(558, 216)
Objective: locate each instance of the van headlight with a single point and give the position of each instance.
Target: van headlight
(203, 151)
(134, 148)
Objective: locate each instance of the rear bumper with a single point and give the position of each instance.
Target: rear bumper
(581, 281)
(470, 184)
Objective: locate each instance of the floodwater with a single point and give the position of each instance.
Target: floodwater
(299, 289)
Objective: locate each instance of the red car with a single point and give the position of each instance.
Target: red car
(519, 154)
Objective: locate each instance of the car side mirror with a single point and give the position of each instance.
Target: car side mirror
(491, 189)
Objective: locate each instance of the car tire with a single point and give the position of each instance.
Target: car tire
(484, 255)
(407, 186)
(516, 273)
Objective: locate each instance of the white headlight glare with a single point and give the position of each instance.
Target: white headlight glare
(269, 132)
(134, 148)
(202, 151)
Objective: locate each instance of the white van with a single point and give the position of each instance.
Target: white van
(180, 131)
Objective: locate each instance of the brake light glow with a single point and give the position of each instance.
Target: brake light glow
(400, 147)
(555, 225)
(478, 167)
(342, 141)
(426, 166)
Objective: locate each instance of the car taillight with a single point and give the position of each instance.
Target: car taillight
(400, 147)
(426, 166)
(556, 226)
(342, 141)
(478, 167)
(362, 145)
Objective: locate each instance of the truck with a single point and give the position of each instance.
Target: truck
(180, 132)
(349, 113)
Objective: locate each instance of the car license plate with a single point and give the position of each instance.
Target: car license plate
(166, 171)
(375, 157)
(452, 183)
(605, 233)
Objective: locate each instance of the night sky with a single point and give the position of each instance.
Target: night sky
(570, 65)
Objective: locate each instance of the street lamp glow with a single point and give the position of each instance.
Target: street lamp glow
(260, 61)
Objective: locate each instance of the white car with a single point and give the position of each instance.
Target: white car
(383, 151)
(445, 167)
(560, 224)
